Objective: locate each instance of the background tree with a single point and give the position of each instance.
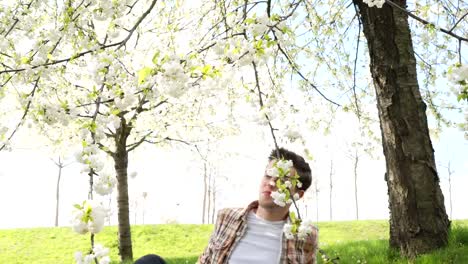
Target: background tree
(331, 189)
(60, 165)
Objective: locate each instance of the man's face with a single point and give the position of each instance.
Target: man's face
(268, 185)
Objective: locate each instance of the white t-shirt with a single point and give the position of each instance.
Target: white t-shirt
(261, 243)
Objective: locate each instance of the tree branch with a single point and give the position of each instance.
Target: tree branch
(425, 22)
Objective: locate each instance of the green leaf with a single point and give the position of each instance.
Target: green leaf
(156, 57)
(25, 60)
(292, 215)
(143, 73)
(115, 111)
(250, 21)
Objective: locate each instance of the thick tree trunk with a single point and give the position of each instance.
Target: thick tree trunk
(418, 221)
(121, 165)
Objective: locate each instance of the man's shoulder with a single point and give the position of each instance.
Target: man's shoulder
(231, 213)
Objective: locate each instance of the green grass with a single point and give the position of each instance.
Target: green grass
(353, 242)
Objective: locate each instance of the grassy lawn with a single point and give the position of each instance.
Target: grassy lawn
(353, 242)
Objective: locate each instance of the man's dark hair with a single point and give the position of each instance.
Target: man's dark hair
(301, 166)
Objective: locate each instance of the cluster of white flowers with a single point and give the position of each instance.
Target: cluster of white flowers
(459, 74)
(260, 26)
(280, 170)
(51, 114)
(89, 157)
(377, 3)
(89, 217)
(260, 117)
(292, 133)
(125, 102)
(284, 165)
(105, 184)
(304, 229)
(288, 231)
(99, 253)
(279, 198)
(173, 81)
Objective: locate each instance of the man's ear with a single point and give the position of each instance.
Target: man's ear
(301, 193)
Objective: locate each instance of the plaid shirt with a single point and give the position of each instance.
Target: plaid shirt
(231, 226)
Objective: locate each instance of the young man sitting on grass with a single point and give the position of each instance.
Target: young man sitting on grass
(254, 235)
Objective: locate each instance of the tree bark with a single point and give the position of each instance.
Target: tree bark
(121, 167)
(418, 220)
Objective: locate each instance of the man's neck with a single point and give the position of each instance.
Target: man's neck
(272, 214)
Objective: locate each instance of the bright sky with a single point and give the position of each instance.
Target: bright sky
(173, 181)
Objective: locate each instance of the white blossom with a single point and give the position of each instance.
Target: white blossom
(299, 184)
(105, 184)
(272, 172)
(459, 74)
(100, 251)
(105, 260)
(88, 217)
(377, 3)
(296, 196)
(114, 121)
(305, 229)
(287, 230)
(279, 198)
(293, 134)
(284, 165)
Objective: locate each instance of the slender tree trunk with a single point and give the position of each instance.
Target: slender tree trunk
(121, 168)
(209, 198)
(213, 211)
(356, 161)
(145, 194)
(205, 191)
(135, 208)
(450, 188)
(317, 199)
(418, 220)
(57, 197)
(331, 189)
